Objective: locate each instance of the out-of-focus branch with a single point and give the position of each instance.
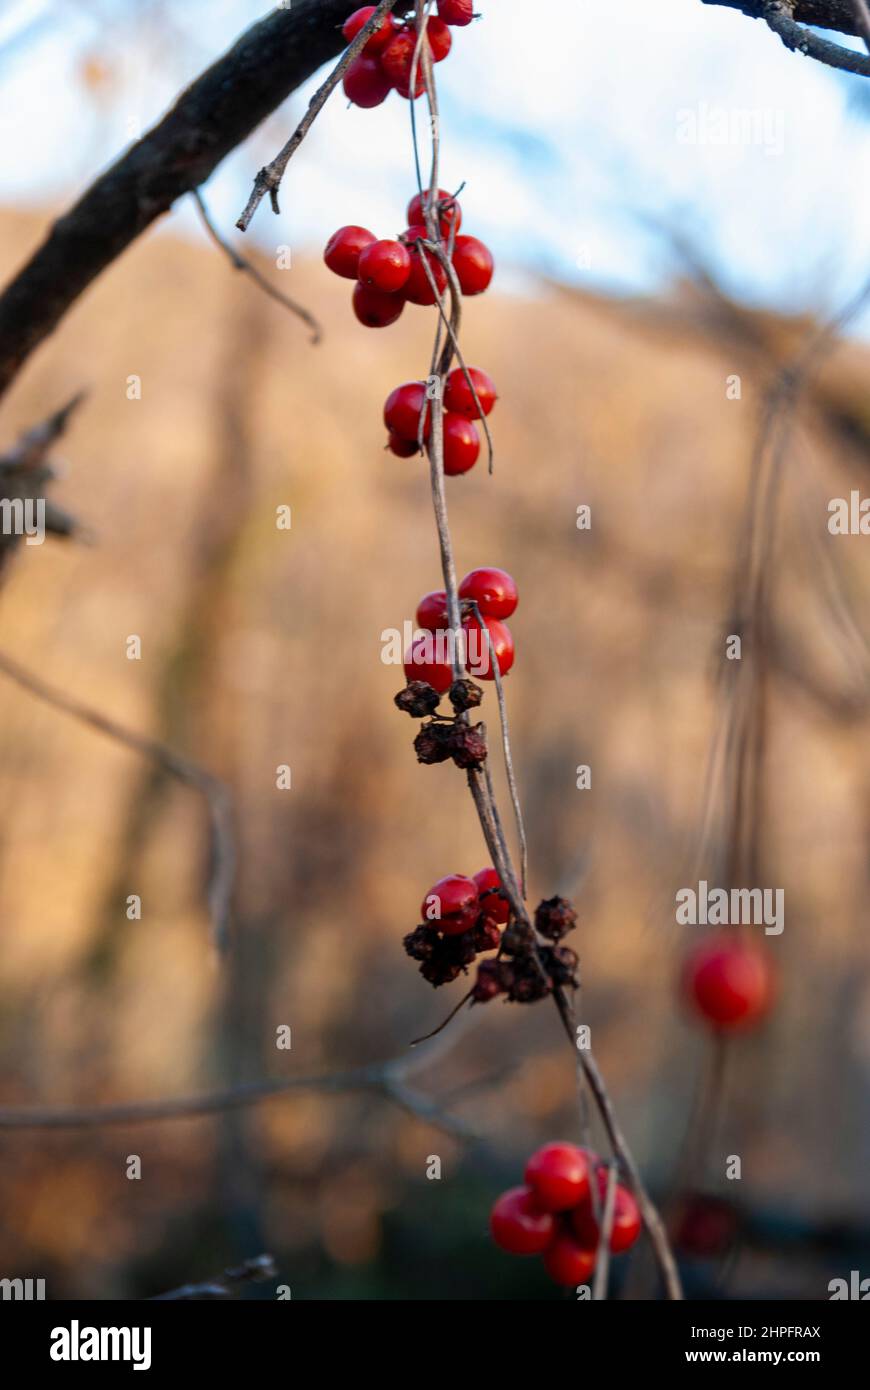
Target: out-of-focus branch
(862, 19)
(256, 1271)
(25, 472)
(221, 875)
(239, 262)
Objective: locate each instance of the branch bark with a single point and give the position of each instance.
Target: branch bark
(825, 14)
(214, 115)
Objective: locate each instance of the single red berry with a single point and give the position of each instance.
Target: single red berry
(494, 592)
(418, 288)
(518, 1224)
(382, 35)
(458, 12)
(626, 1218)
(386, 265)
(492, 899)
(440, 38)
(403, 408)
(432, 611)
(451, 905)
(473, 264)
(459, 397)
(344, 249)
(374, 308)
(729, 982)
(402, 448)
(461, 445)
(567, 1263)
(449, 211)
(478, 656)
(558, 1174)
(397, 61)
(365, 82)
(426, 660)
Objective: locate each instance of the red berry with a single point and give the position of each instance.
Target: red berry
(449, 211)
(344, 249)
(461, 445)
(432, 611)
(566, 1263)
(403, 408)
(626, 1218)
(518, 1225)
(402, 448)
(386, 265)
(397, 61)
(473, 264)
(494, 592)
(459, 12)
(379, 38)
(492, 899)
(376, 309)
(451, 905)
(729, 981)
(440, 38)
(558, 1174)
(365, 82)
(426, 660)
(418, 289)
(458, 396)
(479, 660)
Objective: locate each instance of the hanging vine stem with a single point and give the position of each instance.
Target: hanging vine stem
(480, 783)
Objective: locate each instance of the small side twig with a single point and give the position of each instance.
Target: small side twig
(240, 262)
(256, 1271)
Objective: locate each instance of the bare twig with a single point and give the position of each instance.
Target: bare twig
(862, 19)
(605, 1230)
(779, 15)
(256, 1271)
(221, 874)
(506, 747)
(269, 178)
(239, 262)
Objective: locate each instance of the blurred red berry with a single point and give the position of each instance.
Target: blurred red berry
(459, 398)
(494, 592)
(492, 899)
(374, 308)
(729, 981)
(365, 82)
(457, 12)
(403, 408)
(518, 1225)
(379, 38)
(432, 610)
(479, 659)
(626, 1218)
(397, 60)
(385, 264)
(344, 249)
(566, 1262)
(440, 38)
(473, 264)
(426, 660)
(558, 1174)
(451, 905)
(402, 448)
(461, 445)
(449, 211)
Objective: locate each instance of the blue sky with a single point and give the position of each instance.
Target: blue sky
(573, 125)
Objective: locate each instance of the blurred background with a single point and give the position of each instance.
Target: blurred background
(649, 251)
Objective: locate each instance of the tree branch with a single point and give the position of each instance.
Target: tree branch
(214, 115)
(825, 14)
(782, 17)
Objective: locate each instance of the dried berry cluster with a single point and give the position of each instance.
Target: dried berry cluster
(442, 737)
(464, 917)
(554, 1215)
(525, 970)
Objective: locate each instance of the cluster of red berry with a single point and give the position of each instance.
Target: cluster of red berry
(495, 594)
(408, 417)
(461, 918)
(729, 982)
(392, 273)
(554, 1214)
(387, 59)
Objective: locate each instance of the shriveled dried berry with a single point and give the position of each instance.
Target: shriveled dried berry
(555, 917)
(465, 695)
(432, 744)
(418, 699)
(487, 985)
(421, 943)
(560, 964)
(466, 745)
(487, 936)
